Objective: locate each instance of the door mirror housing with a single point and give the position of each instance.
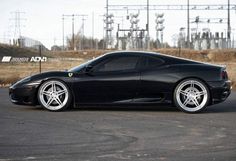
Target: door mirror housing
(88, 69)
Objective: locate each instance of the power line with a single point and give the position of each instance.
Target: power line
(174, 7)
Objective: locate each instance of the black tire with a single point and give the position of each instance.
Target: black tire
(60, 99)
(190, 95)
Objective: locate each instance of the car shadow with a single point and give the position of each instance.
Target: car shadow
(219, 108)
(125, 108)
(111, 108)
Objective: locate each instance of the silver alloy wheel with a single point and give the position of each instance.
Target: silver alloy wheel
(53, 95)
(191, 95)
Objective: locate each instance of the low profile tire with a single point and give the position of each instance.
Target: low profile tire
(191, 96)
(54, 95)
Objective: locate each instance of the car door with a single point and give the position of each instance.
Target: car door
(152, 84)
(112, 80)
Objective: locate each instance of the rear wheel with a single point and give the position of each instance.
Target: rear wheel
(54, 95)
(191, 95)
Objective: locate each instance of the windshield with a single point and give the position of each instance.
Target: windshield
(78, 68)
(81, 66)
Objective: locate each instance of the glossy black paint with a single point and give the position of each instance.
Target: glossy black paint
(142, 85)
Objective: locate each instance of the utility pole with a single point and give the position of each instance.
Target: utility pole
(148, 45)
(228, 27)
(106, 44)
(92, 46)
(83, 19)
(63, 43)
(188, 26)
(73, 32)
(103, 43)
(73, 27)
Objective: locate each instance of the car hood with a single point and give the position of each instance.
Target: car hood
(37, 78)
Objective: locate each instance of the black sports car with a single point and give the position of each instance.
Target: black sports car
(127, 78)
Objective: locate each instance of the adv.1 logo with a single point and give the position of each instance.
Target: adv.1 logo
(38, 59)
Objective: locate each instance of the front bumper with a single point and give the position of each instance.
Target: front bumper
(24, 95)
(220, 90)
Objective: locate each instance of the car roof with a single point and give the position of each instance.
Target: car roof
(133, 52)
(147, 53)
(160, 55)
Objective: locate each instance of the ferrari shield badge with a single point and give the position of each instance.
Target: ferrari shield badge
(70, 74)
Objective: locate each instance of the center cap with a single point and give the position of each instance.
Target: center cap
(191, 95)
(53, 94)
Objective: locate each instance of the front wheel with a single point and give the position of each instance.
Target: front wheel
(191, 96)
(54, 95)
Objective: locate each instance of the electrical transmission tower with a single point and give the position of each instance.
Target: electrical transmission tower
(186, 7)
(109, 21)
(18, 23)
(159, 29)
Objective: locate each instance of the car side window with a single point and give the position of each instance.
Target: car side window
(150, 62)
(122, 63)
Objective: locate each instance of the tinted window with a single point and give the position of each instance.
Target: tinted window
(119, 64)
(152, 62)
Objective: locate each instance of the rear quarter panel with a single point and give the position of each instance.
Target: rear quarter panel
(201, 71)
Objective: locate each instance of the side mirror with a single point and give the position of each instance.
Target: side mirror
(88, 69)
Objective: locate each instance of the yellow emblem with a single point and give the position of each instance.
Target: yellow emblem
(70, 74)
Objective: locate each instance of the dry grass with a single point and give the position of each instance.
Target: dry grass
(216, 55)
(85, 54)
(205, 55)
(10, 72)
(9, 50)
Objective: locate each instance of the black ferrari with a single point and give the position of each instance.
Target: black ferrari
(127, 78)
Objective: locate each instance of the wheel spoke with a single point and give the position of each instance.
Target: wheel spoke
(195, 101)
(50, 100)
(192, 85)
(184, 93)
(57, 99)
(46, 93)
(197, 94)
(187, 101)
(61, 92)
(54, 89)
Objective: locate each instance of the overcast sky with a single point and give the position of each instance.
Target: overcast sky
(44, 18)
